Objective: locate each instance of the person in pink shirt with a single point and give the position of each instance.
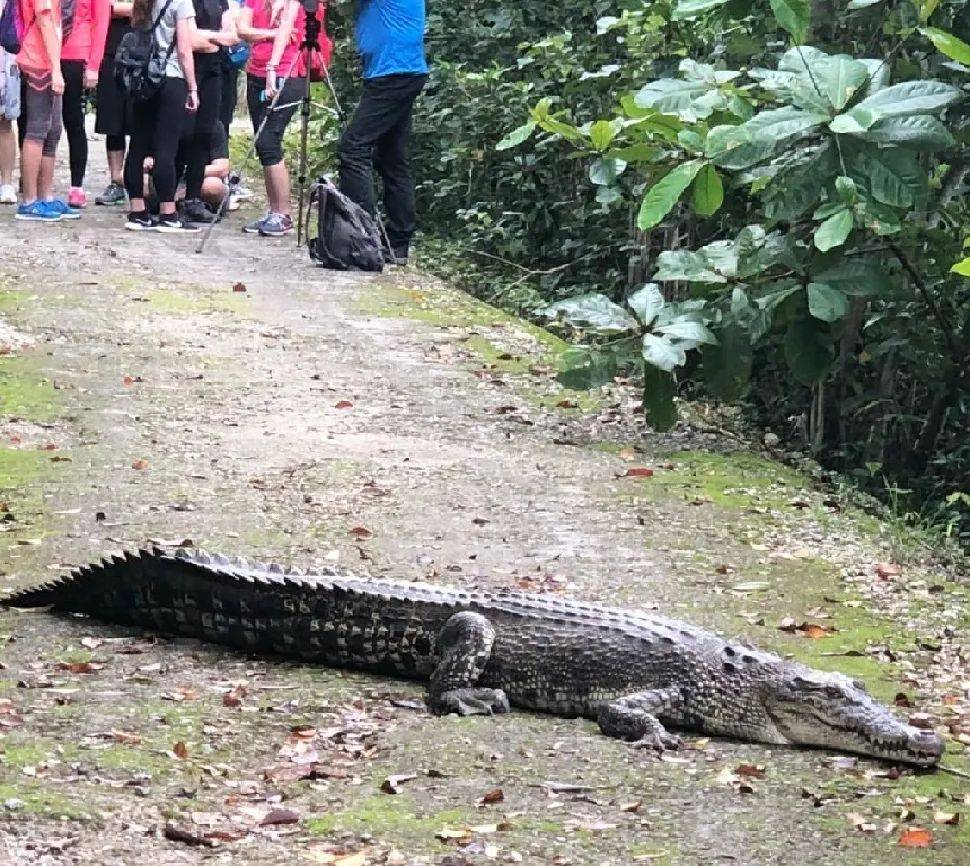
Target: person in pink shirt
(85, 32)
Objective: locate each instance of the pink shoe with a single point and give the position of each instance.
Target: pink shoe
(77, 197)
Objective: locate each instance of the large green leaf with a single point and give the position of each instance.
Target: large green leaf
(708, 191)
(517, 136)
(605, 170)
(647, 302)
(778, 125)
(834, 231)
(735, 148)
(687, 333)
(660, 352)
(910, 97)
(798, 188)
(663, 195)
(671, 95)
(826, 303)
(659, 390)
(918, 131)
(808, 350)
(595, 312)
(948, 44)
(893, 176)
(692, 8)
(841, 79)
(726, 365)
(794, 16)
(962, 268)
(601, 134)
(855, 276)
(689, 265)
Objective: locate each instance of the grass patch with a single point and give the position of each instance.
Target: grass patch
(24, 390)
(35, 800)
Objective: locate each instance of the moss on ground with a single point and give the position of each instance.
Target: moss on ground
(25, 391)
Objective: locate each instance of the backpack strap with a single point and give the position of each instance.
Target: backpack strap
(155, 23)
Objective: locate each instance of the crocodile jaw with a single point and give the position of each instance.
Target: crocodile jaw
(828, 710)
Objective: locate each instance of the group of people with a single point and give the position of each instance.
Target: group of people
(168, 155)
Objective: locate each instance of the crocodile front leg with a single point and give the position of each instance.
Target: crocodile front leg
(465, 645)
(634, 717)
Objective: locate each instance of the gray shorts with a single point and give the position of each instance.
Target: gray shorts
(42, 108)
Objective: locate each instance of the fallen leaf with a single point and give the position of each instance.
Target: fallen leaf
(946, 817)
(627, 453)
(343, 404)
(239, 287)
(234, 697)
(180, 750)
(915, 837)
(280, 816)
(639, 472)
(91, 642)
(888, 570)
(392, 784)
(177, 834)
(81, 667)
(139, 464)
(496, 795)
(752, 771)
(361, 533)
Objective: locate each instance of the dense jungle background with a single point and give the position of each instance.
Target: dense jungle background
(760, 203)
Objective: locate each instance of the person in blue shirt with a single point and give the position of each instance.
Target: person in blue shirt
(390, 38)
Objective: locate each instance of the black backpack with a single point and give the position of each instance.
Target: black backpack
(139, 65)
(347, 237)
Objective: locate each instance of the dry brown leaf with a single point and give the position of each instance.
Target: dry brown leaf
(392, 784)
(915, 837)
(343, 404)
(280, 816)
(496, 795)
(139, 464)
(361, 533)
(639, 472)
(180, 750)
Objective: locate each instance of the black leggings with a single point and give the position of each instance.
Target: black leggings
(230, 96)
(269, 145)
(156, 128)
(198, 145)
(73, 114)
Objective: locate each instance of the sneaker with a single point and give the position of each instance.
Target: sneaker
(8, 195)
(77, 198)
(254, 227)
(37, 211)
(194, 211)
(140, 222)
(234, 202)
(114, 193)
(63, 208)
(236, 188)
(276, 225)
(171, 223)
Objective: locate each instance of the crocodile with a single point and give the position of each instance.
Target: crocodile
(480, 651)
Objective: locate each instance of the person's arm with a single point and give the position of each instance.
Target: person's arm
(226, 35)
(99, 35)
(244, 26)
(121, 10)
(184, 39)
(52, 45)
(280, 43)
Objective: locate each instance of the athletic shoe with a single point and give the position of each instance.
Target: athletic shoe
(171, 223)
(237, 189)
(254, 227)
(233, 204)
(63, 208)
(77, 198)
(140, 222)
(37, 211)
(194, 211)
(114, 193)
(8, 195)
(276, 225)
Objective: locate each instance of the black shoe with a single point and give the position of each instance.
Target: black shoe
(194, 211)
(172, 224)
(140, 222)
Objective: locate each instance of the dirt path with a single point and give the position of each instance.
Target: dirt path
(399, 428)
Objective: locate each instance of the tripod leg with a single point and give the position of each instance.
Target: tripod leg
(304, 130)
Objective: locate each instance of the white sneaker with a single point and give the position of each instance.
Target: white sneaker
(8, 195)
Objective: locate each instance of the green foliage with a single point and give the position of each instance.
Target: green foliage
(793, 186)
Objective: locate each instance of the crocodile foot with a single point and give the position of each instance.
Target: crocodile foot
(470, 702)
(660, 741)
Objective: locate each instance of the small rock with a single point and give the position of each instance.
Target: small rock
(771, 439)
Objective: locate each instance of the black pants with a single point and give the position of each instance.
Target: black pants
(73, 114)
(156, 129)
(377, 137)
(230, 96)
(269, 144)
(198, 141)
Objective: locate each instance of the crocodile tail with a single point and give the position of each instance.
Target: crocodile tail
(107, 589)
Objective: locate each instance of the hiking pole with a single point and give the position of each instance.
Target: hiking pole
(245, 160)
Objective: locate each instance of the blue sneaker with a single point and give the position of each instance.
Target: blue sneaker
(38, 212)
(59, 206)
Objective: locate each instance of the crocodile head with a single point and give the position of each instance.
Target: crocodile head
(814, 708)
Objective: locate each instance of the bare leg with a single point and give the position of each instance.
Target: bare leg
(31, 156)
(45, 182)
(635, 717)
(464, 645)
(116, 166)
(277, 180)
(8, 151)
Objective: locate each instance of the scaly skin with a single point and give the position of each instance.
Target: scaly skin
(634, 672)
